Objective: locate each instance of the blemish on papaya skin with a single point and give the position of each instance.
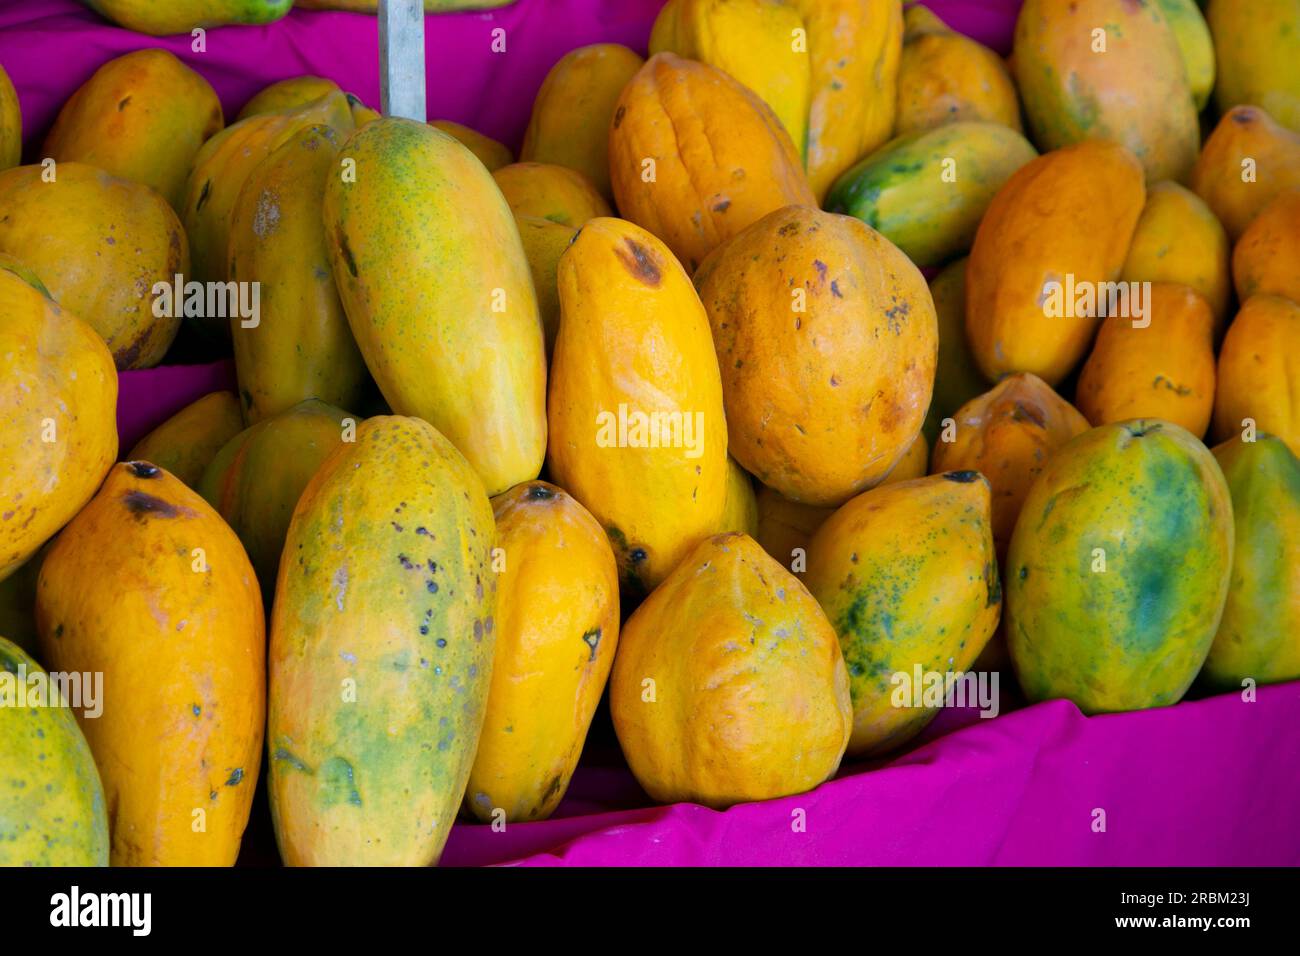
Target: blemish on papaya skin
(961, 477)
(346, 252)
(1024, 413)
(618, 116)
(143, 506)
(204, 194)
(285, 756)
(639, 262)
(722, 205)
(236, 776)
(592, 640)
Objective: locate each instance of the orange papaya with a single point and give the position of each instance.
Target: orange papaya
(1259, 366)
(490, 153)
(1266, 259)
(552, 192)
(1246, 162)
(785, 527)
(290, 94)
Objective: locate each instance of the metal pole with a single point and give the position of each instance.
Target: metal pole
(401, 58)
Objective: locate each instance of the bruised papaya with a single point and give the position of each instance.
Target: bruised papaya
(11, 123)
(490, 153)
(1259, 366)
(177, 630)
(729, 685)
(785, 527)
(182, 16)
(1118, 568)
(1246, 162)
(385, 587)
(185, 443)
(551, 192)
(957, 378)
(556, 632)
(1256, 48)
(544, 242)
(1266, 259)
(290, 94)
(441, 303)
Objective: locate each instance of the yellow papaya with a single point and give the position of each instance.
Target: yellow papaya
(544, 242)
(740, 513)
(750, 696)
(638, 433)
(1256, 48)
(290, 94)
(185, 443)
(1246, 162)
(178, 632)
(551, 192)
(386, 586)
(913, 464)
(557, 630)
(1195, 46)
(441, 303)
(25, 272)
(490, 153)
(182, 16)
(957, 378)
(885, 568)
(11, 123)
(1266, 259)
(1259, 366)
(785, 527)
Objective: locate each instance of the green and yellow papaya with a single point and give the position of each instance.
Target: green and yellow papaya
(1195, 45)
(957, 376)
(544, 242)
(290, 94)
(1256, 47)
(182, 16)
(185, 443)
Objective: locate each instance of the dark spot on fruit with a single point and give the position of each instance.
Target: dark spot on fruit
(431, 586)
(1024, 573)
(143, 469)
(618, 116)
(820, 267)
(592, 640)
(992, 584)
(637, 555)
(405, 562)
(396, 527)
(236, 775)
(346, 252)
(422, 530)
(835, 289)
(204, 194)
(639, 262)
(962, 477)
(143, 505)
(721, 205)
(1023, 413)
(540, 492)
(789, 229)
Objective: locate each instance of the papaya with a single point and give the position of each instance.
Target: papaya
(638, 433)
(957, 378)
(185, 443)
(908, 576)
(740, 513)
(256, 478)
(25, 272)
(894, 190)
(1118, 568)
(754, 42)
(490, 153)
(544, 242)
(441, 303)
(1007, 434)
(551, 192)
(1259, 634)
(1107, 69)
(300, 346)
(182, 16)
(386, 587)
(1195, 46)
(729, 685)
(1178, 239)
(11, 123)
(946, 77)
(557, 630)
(824, 390)
(1259, 366)
(695, 157)
(569, 124)
(58, 418)
(1246, 162)
(1164, 369)
(142, 117)
(1063, 220)
(148, 586)
(290, 94)
(913, 464)
(1255, 46)
(102, 245)
(1266, 258)
(52, 805)
(786, 527)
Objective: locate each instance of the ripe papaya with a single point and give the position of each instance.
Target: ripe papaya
(551, 192)
(913, 464)
(1255, 46)
(1195, 46)
(1259, 366)
(638, 433)
(1259, 635)
(182, 16)
(490, 153)
(1246, 162)
(825, 335)
(58, 421)
(740, 513)
(11, 123)
(382, 639)
(25, 272)
(290, 94)
(185, 443)
(544, 242)
(1266, 259)
(557, 629)
(149, 587)
(52, 804)
(301, 346)
(569, 125)
(441, 303)
(957, 378)
(1118, 568)
(894, 191)
(752, 706)
(785, 527)
(143, 117)
(695, 157)
(1067, 215)
(908, 576)
(101, 244)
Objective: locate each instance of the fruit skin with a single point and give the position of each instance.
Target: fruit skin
(1266, 258)
(634, 337)
(751, 696)
(52, 804)
(56, 380)
(11, 123)
(821, 403)
(957, 378)
(181, 16)
(893, 190)
(1136, 93)
(25, 272)
(1163, 371)
(885, 568)
(1255, 45)
(490, 153)
(136, 239)
(1151, 497)
(1068, 212)
(569, 125)
(551, 192)
(419, 281)
(302, 346)
(1259, 635)
(1259, 365)
(185, 443)
(740, 514)
(722, 159)
(913, 463)
(946, 77)
(556, 632)
(290, 94)
(1178, 239)
(1195, 46)
(1246, 143)
(786, 527)
(387, 586)
(142, 117)
(544, 242)
(256, 478)
(749, 40)
(178, 632)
